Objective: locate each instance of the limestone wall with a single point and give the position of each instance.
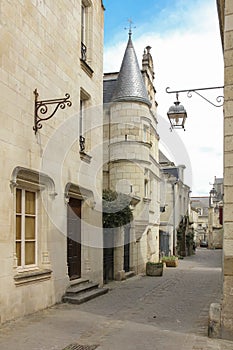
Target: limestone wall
(41, 49)
(226, 24)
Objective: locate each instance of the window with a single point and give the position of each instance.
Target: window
(145, 133)
(26, 227)
(81, 137)
(86, 36)
(84, 97)
(31, 253)
(81, 115)
(146, 188)
(86, 11)
(84, 32)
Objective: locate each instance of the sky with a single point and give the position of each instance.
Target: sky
(187, 54)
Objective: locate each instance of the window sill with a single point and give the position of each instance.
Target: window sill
(85, 157)
(87, 69)
(32, 276)
(146, 200)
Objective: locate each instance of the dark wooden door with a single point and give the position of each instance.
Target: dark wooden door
(74, 238)
(108, 260)
(164, 243)
(126, 248)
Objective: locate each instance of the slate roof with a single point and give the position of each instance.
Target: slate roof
(130, 85)
(199, 202)
(174, 171)
(109, 87)
(163, 160)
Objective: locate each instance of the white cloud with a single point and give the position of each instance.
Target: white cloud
(187, 58)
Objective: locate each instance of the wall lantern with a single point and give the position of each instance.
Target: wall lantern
(177, 114)
(42, 109)
(212, 197)
(213, 192)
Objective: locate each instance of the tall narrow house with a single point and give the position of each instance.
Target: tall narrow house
(131, 163)
(225, 11)
(51, 217)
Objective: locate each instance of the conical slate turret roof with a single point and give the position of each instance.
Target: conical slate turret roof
(130, 85)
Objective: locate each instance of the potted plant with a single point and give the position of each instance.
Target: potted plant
(154, 269)
(170, 261)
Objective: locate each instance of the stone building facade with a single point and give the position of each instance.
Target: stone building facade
(174, 207)
(51, 216)
(201, 206)
(208, 224)
(225, 11)
(131, 163)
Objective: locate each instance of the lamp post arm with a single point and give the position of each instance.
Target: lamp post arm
(219, 99)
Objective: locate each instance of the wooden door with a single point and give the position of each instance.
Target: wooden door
(108, 260)
(74, 238)
(126, 248)
(164, 243)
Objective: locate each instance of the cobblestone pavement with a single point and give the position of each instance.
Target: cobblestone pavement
(159, 313)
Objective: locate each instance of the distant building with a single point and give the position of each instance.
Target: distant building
(209, 220)
(201, 206)
(174, 218)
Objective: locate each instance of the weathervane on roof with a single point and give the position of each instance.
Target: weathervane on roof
(130, 26)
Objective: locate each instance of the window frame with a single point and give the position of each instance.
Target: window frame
(145, 133)
(83, 23)
(199, 211)
(146, 188)
(85, 20)
(84, 98)
(81, 116)
(23, 266)
(84, 29)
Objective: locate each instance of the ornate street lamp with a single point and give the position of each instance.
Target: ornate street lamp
(177, 115)
(212, 197)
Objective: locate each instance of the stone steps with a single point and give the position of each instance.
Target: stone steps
(80, 291)
(129, 274)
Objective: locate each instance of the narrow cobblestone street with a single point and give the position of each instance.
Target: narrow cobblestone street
(160, 313)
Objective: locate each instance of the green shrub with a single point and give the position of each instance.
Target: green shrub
(116, 209)
(158, 264)
(169, 258)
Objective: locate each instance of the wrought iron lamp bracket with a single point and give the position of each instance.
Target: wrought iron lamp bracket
(42, 109)
(219, 99)
(82, 143)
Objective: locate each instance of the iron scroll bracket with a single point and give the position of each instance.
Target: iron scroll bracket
(42, 109)
(219, 99)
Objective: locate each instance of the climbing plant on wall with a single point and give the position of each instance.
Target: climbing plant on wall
(116, 209)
